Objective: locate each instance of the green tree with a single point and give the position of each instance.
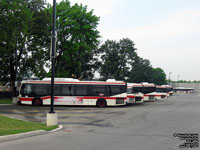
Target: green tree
(77, 39)
(38, 41)
(117, 58)
(14, 21)
(141, 71)
(158, 76)
(23, 40)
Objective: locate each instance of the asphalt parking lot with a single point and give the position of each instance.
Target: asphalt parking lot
(65, 113)
(151, 125)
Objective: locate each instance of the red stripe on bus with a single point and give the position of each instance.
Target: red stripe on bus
(31, 98)
(25, 99)
(131, 96)
(48, 97)
(56, 82)
(103, 97)
(152, 95)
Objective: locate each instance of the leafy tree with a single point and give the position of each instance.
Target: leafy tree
(120, 61)
(158, 76)
(14, 20)
(141, 71)
(24, 32)
(77, 39)
(38, 43)
(116, 58)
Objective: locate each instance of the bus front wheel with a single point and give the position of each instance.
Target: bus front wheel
(37, 102)
(101, 103)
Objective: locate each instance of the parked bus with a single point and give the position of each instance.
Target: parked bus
(74, 92)
(170, 90)
(149, 91)
(133, 94)
(163, 90)
(183, 90)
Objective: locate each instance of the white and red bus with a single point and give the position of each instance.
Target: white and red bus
(164, 90)
(183, 90)
(73, 92)
(134, 95)
(149, 91)
(170, 90)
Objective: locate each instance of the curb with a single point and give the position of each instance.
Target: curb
(27, 134)
(7, 104)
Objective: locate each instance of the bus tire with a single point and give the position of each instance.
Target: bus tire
(37, 102)
(101, 103)
(19, 103)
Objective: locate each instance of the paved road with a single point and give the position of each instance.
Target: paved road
(148, 126)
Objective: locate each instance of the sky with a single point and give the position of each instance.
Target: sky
(166, 32)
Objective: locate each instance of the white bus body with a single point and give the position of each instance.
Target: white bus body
(74, 92)
(149, 91)
(163, 90)
(170, 90)
(132, 95)
(183, 90)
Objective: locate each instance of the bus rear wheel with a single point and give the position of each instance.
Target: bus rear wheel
(37, 102)
(101, 103)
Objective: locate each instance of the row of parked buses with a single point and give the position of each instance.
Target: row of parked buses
(69, 91)
(147, 91)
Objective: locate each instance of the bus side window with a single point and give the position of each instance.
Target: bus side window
(65, 90)
(79, 90)
(57, 90)
(115, 89)
(99, 90)
(137, 89)
(41, 89)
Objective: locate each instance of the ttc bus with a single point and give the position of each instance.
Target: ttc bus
(149, 91)
(164, 90)
(183, 90)
(133, 94)
(73, 92)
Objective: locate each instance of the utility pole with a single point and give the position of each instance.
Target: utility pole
(169, 77)
(52, 116)
(178, 80)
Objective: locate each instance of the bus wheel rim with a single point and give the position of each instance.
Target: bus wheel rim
(37, 102)
(101, 103)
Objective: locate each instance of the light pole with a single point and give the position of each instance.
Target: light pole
(178, 80)
(52, 116)
(169, 77)
(53, 57)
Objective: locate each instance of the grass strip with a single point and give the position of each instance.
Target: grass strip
(6, 101)
(10, 126)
